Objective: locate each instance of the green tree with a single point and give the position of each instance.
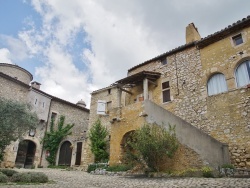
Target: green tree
(99, 142)
(53, 138)
(153, 144)
(15, 119)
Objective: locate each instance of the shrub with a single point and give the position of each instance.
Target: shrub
(227, 166)
(207, 172)
(28, 177)
(152, 143)
(99, 142)
(118, 168)
(8, 172)
(3, 178)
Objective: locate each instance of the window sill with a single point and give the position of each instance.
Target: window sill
(167, 102)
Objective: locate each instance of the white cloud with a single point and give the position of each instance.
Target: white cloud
(120, 34)
(5, 56)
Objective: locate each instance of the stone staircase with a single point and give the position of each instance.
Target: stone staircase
(212, 152)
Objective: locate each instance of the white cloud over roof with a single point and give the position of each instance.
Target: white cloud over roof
(116, 35)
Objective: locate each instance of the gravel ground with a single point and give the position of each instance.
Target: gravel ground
(77, 179)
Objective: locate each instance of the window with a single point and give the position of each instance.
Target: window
(101, 107)
(237, 39)
(53, 116)
(109, 91)
(109, 106)
(166, 92)
(164, 61)
(242, 74)
(216, 84)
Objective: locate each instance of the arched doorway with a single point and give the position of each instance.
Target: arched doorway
(25, 154)
(126, 146)
(65, 154)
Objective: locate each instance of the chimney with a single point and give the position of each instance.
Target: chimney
(35, 85)
(192, 33)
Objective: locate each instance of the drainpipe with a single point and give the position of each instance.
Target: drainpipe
(177, 82)
(46, 128)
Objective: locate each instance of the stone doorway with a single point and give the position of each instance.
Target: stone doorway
(65, 154)
(25, 154)
(78, 153)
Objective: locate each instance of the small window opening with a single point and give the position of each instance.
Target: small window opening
(166, 92)
(164, 61)
(35, 101)
(237, 39)
(109, 91)
(53, 116)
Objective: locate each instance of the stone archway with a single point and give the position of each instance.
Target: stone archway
(25, 154)
(65, 154)
(125, 147)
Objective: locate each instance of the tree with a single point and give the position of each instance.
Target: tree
(99, 143)
(53, 138)
(153, 144)
(15, 119)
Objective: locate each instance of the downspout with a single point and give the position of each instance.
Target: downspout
(177, 82)
(46, 128)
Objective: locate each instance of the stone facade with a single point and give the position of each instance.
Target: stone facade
(187, 69)
(14, 83)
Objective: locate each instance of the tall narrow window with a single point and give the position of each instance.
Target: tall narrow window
(216, 84)
(166, 92)
(53, 115)
(242, 74)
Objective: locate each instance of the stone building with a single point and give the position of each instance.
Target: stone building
(15, 84)
(202, 87)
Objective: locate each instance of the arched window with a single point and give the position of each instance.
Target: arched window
(216, 84)
(242, 74)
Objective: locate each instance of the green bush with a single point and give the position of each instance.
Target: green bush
(8, 172)
(118, 168)
(207, 172)
(30, 177)
(3, 178)
(227, 166)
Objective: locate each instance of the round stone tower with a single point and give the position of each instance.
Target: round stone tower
(16, 72)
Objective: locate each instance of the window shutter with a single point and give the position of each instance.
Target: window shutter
(101, 107)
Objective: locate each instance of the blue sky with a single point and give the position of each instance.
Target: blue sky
(75, 47)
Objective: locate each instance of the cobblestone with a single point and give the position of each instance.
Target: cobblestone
(78, 179)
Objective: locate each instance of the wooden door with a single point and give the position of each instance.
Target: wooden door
(78, 153)
(65, 154)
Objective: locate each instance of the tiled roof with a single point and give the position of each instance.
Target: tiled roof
(138, 77)
(179, 48)
(40, 91)
(240, 24)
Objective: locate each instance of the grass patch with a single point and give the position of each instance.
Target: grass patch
(119, 168)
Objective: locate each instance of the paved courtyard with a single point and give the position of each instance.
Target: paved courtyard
(75, 179)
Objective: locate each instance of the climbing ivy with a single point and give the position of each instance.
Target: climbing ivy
(53, 138)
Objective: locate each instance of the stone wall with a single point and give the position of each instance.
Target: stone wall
(73, 115)
(227, 115)
(16, 72)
